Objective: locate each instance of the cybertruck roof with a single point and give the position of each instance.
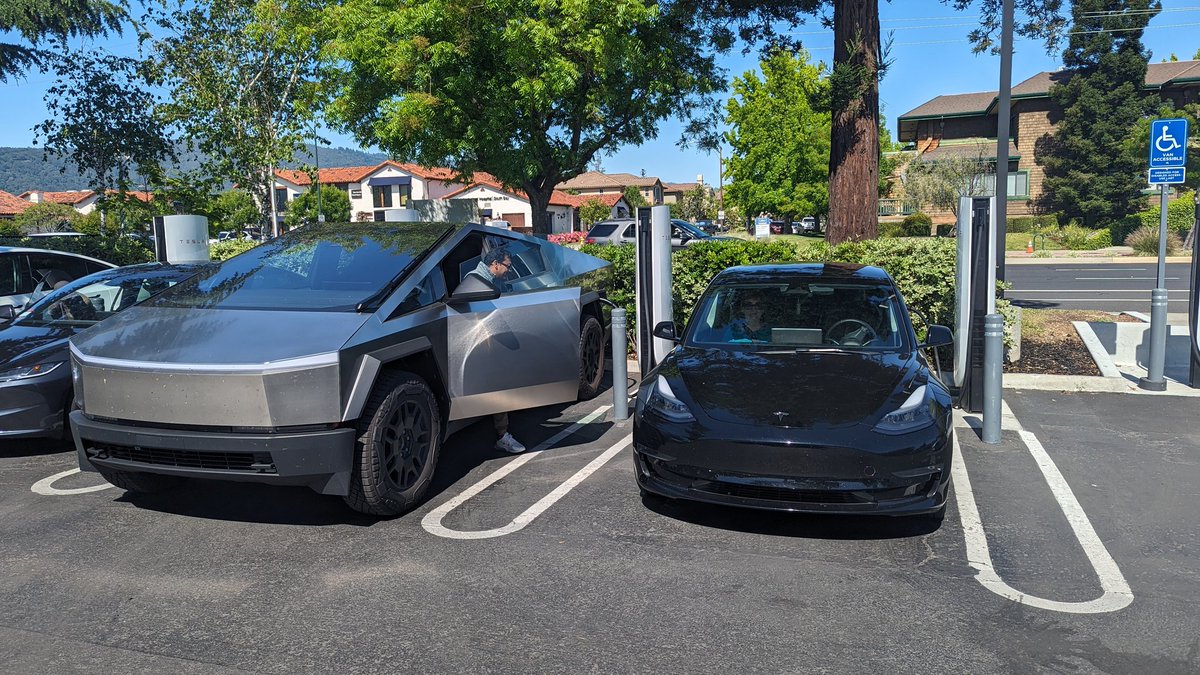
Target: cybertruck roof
(305, 293)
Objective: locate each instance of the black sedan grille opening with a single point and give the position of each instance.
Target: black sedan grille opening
(250, 462)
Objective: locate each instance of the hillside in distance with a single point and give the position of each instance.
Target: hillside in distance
(23, 169)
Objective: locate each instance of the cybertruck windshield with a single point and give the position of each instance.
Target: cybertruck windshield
(325, 267)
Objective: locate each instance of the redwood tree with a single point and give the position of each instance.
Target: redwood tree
(854, 142)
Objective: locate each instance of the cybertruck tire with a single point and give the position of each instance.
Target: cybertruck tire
(396, 453)
(141, 483)
(591, 358)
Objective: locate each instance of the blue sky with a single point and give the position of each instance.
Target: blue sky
(931, 56)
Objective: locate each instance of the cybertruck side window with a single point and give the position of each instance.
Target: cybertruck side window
(431, 289)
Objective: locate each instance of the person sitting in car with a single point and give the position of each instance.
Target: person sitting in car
(749, 325)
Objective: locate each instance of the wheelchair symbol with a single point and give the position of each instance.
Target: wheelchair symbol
(1166, 142)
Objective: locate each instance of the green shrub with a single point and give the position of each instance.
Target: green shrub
(116, 250)
(917, 225)
(1027, 224)
(1120, 230)
(224, 250)
(1181, 215)
(891, 229)
(1144, 240)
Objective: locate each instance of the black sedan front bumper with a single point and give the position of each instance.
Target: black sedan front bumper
(322, 460)
(903, 475)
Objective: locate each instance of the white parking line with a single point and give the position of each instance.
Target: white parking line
(46, 487)
(1100, 269)
(1116, 592)
(1124, 278)
(432, 522)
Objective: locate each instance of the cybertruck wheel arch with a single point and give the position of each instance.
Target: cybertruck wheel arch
(371, 364)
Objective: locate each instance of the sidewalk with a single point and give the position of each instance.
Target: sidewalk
(1115, 254)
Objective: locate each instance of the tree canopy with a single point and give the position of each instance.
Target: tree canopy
(529, 92)
(1089, 176)
(38, 22)
(779, 135)
(335, 205)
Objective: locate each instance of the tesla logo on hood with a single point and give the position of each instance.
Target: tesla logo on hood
(780, 415)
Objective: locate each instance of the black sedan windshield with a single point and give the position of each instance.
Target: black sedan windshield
(99, 296)
(807, 315)
(325, 267)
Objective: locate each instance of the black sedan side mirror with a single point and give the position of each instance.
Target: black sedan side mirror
(938, 336)
(667, 331)
(7, 312)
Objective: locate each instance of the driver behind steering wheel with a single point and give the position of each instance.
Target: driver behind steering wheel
(856, 322)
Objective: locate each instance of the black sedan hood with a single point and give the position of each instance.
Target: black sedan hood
(812, 388)
(19, 344)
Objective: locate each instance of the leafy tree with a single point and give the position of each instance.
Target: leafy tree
(779, 134)
(697, 204)
(634, 196)
(46, 217)
(37, 22)
(101, 121)
(232, 210)
(890, 159)
(335, 204)
(593, 211)
(941, 183)
(529, 92)
(1196, 56)
(1088, 175)
(242, 76)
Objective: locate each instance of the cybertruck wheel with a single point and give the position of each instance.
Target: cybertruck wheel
(399, 437)
(144, 483)
(591, 358)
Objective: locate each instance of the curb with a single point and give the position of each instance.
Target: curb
(1097, 351)
(1132, 260)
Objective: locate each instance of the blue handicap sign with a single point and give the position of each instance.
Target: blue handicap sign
(1168, 143)
(1168, 176)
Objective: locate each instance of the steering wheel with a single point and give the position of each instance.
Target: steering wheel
(858, 334)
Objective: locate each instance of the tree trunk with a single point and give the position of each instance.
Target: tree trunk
(539, 203)
(854, 151)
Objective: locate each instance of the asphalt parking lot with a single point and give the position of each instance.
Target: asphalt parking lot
(558, 565)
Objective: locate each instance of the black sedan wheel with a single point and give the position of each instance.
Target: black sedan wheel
(591, 358)
(398, 445)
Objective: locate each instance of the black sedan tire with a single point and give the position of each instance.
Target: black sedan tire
(591, 358)
(134, 481)
(398, 445)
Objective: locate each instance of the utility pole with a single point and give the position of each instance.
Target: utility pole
(1003, 115)
(317, 159)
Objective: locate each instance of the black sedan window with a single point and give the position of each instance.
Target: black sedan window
(85, 302)
(809, 315)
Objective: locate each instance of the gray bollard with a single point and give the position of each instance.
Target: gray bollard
(620, 368)
(993, 376)
(1154, 380)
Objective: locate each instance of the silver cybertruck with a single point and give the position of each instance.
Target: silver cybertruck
(337, 357)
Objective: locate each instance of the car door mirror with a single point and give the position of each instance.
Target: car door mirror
(472, 295)
(667, 331)
(938, 336)
(7, 312)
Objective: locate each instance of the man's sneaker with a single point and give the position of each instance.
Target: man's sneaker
(509, 444)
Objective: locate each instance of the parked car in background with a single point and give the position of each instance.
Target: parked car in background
(797, 387)
(338, 357)
(777, 227)
(622, 231)
(806, 225)
(27, 274)
(709, 226)
(35, 373)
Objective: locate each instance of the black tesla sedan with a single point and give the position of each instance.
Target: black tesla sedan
(797, 388)
(35, 369)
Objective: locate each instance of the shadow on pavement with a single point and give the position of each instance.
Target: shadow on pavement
(804, 526)
(32, 447)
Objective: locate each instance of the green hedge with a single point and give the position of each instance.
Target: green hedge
(922, 268)
(224, 250)
(1027, 224)
(116, 250)
(1078, 238)
(1181, 214)
(917, 225)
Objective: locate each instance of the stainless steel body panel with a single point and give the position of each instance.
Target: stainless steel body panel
(518, 351)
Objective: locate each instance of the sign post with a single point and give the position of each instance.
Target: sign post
(1168, 159)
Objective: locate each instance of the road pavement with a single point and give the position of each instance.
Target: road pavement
(243, 578)
(1110, 287)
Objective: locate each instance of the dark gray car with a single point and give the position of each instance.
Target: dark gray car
(337, 357)
(622, 231)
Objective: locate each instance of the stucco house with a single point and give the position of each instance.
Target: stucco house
(598, 183)
(83, 201)
(372, 189)
(965, 124)
(496, 201)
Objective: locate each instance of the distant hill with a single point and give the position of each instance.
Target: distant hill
(23, 169)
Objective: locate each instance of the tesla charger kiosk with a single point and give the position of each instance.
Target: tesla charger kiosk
(975, 295)
(653, 290)
(181, 239)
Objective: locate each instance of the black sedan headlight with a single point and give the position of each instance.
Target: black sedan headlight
(664, 402)
(912, 415)
(28, 372)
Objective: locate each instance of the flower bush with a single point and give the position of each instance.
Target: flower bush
(567, 238)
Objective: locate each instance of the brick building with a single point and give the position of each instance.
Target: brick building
(965, 124)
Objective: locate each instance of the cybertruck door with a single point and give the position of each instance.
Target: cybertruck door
(520, 350)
